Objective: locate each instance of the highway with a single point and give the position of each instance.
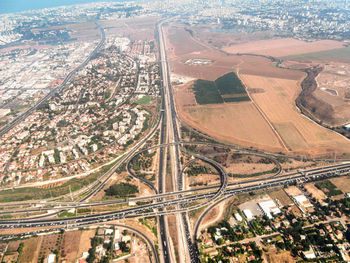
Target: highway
(174, 138)
(44, 206)
(165, 137)
(162, 203)
(151, 209)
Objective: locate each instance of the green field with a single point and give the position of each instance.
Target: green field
(206, 92)
(144, 100)
(238, 99)
(339, 54)
(227, 88)
(328, 188)
(230, 84)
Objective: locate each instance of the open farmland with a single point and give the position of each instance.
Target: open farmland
(328, 188)
(232, 122)
(227, 88)
(282, 47)
(231, 88)
(230, 84)
(206, 92)
(338, 55)
(181, 47)
(271, 122)
(298, 132)
(342, 183)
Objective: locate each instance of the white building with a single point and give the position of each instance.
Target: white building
(238, 217)
(108, 231)
(248, 214)
(51, 258)
(303, 201)
(269, 208)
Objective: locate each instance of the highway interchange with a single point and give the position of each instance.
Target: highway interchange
(177, 202)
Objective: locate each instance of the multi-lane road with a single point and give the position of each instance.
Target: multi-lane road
(162, 203)
(153, 208)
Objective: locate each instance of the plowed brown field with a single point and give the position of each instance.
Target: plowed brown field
(239, 123)
(298, 132)
(283, 47)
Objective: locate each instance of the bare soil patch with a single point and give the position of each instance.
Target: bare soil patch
(140, 28)
(85, 241)
(181, 41)
(213, 216)
(315, 192)
(295, 211)
(31, 249)
(342, 183)
(277, 256)
(333, 90)
(293, 191)
(281, 196)
(70, 245)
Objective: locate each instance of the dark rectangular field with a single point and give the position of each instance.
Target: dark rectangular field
(227, 88)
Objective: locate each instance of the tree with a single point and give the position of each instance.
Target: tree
(121, 190)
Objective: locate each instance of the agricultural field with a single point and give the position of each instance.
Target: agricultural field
(233, 122)
(299, 133)
(206, 92)
(342, 183)
(271, 121)
(335, 55)
(239, 165)
(230, 84)
(328, 188)
(227, 88)
(283, 47)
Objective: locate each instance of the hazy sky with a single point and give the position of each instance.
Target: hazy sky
(11, 6)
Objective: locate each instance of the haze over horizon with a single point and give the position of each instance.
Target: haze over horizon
(14, 6)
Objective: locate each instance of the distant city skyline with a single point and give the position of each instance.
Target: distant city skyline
(13, 6)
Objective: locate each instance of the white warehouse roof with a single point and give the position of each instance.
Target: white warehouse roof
(269, 207)
(248, 214)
